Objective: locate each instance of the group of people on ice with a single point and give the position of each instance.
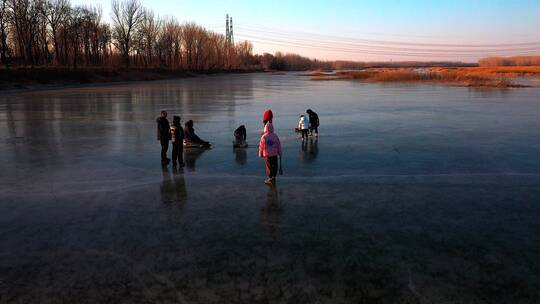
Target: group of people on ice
(308, 124)
(178, 136)
(269, 144)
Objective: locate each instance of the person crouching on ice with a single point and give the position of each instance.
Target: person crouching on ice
(240, 135)
(270, 149)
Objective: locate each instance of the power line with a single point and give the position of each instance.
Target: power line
(341, 44)
(368, 52)
(337, 44)
(385, 42)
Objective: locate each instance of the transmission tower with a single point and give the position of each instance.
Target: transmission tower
(231, 32)
(229, 35)
(229, 41)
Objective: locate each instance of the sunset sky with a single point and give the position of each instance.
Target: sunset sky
(457, 30)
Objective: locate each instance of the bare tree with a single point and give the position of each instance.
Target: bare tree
(127, 15)
(56, 12)
(75, 22)
(21, 23)
(152, 27)
(216, 52)
(244, 52)
(189, 43)
(42, 35)
(169, 42)
(4, 21)
(146, 37)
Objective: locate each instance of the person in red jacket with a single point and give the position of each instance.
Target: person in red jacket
(270, 150)
(267, 117)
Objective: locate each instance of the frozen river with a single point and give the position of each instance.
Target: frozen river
(412, 193)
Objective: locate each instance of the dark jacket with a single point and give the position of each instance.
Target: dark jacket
(313, 119)
(177, 134)
(163, 128)
(240, 133)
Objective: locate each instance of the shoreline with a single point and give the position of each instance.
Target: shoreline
(38, 79)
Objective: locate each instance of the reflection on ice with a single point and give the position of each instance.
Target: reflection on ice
(309, 150)
(272, 211)
(173, 187)
(240, 155)
(191, 155)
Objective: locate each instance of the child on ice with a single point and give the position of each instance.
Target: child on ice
(270, 149)
(177, 138)
(303, 126)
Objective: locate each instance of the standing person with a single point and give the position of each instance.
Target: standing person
(177, 139)
(313, 122)
(267, 117)
(270, 149)
(303, 126)
(163, 135)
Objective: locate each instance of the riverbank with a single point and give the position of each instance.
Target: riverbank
(44, 78)
(494, 77)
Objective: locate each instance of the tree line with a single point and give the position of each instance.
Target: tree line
(294, 62)
(55, 33)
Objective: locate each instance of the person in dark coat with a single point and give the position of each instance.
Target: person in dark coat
(190, 135)
(177, 139)
(313, 122)
(163, 135)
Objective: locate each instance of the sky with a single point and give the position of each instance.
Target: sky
(367, 30)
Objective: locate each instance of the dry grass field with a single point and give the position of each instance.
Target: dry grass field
(500, 77)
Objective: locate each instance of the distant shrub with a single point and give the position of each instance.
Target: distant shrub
(510, 61)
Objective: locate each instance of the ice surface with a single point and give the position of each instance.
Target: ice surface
(411, 194)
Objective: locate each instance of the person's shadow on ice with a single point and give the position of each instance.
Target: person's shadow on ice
(240, 156)
(309, 150)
